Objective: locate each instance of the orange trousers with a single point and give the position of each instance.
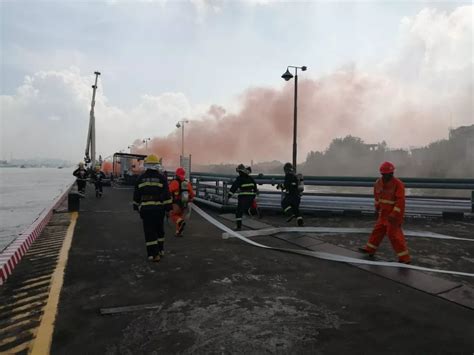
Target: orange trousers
(177, 215)
(396, 236)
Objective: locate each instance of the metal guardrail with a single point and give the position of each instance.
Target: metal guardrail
(214, 186)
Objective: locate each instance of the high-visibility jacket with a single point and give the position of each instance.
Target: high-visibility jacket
(390, 199)
(181, 192)
(245, 184)
(152, 192)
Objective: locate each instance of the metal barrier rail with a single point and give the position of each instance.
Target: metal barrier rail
(215, 186)
(348, 181)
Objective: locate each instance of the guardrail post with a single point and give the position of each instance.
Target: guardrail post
(472, 201)
(197, 186)
(224, 193)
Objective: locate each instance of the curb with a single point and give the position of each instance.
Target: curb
(11, 256)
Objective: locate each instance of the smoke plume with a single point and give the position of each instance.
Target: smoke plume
(409, 100)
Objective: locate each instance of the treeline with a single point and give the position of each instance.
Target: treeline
(351, 156)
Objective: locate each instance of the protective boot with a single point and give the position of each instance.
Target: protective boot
(365, 251)
(239, 226)
(300, 222)
(181, 224)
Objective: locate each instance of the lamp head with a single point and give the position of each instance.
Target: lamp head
(178, 125)
(303, 68)
(287, 75)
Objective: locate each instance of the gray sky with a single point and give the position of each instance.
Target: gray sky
(164, 60)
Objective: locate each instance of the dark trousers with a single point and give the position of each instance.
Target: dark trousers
(98, 186)
(243, 204)
(153, 227)
(291, 205)
(81, 186)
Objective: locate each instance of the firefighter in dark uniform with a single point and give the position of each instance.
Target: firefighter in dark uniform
(97, 177)
(81, 178)
(247, 192)
(292, 195)
(152, 199)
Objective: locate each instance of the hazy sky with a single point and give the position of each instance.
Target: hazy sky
(165, 60)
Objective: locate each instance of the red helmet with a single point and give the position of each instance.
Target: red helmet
(387, 168)
(180, 172)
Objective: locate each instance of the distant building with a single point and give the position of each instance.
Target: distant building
(372, 147)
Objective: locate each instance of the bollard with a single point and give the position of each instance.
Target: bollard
(73, 201)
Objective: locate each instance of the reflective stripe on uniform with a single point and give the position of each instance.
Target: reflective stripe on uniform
(396, 209)
(286, 209)
(403, 253)
(247, 185)
(299, 217)
(293, 183)
(149, 183)
(388, 202)
(155, 203)
(370, 245)
(238, 219)
(151, 243)
(246, 193)
(161, 239)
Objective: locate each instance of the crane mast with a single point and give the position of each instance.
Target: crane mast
(90, 144)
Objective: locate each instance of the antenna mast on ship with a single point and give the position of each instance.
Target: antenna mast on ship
(90, 144)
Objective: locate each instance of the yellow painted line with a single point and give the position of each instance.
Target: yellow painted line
(33, 286)
(42, 342)
(35, 279)
(23, 300)
(14, 325)
(26, 307)
(19, 348)
(5, 341)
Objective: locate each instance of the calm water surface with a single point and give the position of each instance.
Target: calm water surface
(24, 194)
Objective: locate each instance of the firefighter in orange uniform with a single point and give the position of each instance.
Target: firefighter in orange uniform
(389, 193)
(182, 193)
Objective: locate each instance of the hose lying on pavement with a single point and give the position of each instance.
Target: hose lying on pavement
(322, 255)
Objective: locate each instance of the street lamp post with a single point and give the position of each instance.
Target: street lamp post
(287, 76)
(180, 124)
(145, 140)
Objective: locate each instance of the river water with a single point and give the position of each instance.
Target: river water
(24, 194)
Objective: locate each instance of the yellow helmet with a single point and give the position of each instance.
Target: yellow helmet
(152, 159)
